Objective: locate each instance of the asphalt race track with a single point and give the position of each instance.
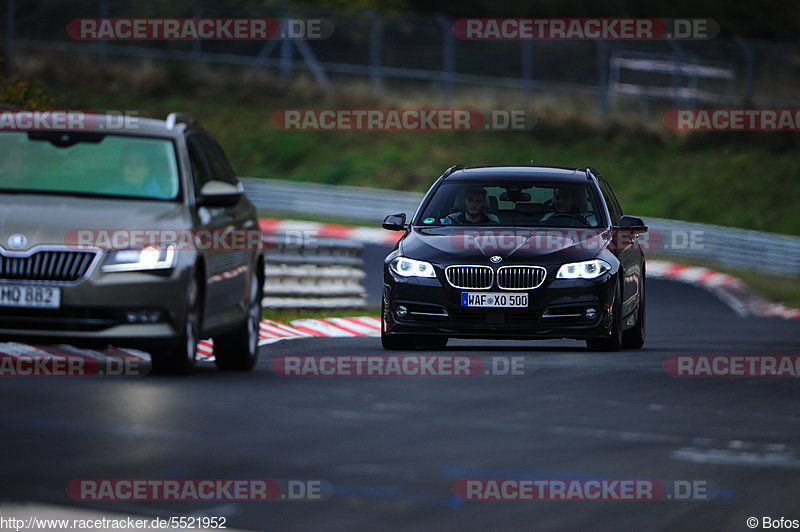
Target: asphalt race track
(394, 447)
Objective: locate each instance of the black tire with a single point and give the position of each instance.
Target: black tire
(410, 342)
(396, 342)
(431, 342)
(392, 342)
(634, 338)
(238, 350)
(614, 341)
(180, 357)
(407, 342)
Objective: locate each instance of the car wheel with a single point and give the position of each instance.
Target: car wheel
(396, 343)
(634, 338)
(181, 356)
(407, 342)
(614, 341)
(238, 349)
(392, 342)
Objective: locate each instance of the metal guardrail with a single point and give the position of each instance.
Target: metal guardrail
(353, 203)
(323, 273)
(740, 248)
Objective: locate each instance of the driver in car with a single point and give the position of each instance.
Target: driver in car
(474, 203)
(567, 203)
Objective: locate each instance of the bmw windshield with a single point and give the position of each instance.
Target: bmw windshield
(515, 203)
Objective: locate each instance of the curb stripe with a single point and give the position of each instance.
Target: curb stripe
(352, 325)
(730, 289)
(372, 323)
(327, 329)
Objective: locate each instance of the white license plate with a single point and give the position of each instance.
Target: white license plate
(20, 295)
(493, 299)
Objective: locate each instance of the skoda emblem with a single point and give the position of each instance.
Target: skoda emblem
(496, 258)
(17, 241)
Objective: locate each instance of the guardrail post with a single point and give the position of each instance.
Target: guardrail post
(285, 62)
(315, 67)
(749, 68)
(9, 44)
(677, 51)
(197, 44)
(527, 70)
(448, 56)
(103, 45)
(601, 50)
(375, 53)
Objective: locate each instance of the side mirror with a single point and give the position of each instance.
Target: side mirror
(632, 224)
(219, 194)
(395, 222)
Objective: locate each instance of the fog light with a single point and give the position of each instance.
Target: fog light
(142, 316)
(591, 313)
(401, 311)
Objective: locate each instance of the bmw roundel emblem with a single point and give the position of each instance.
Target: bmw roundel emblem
(17, 241)
(495, 258)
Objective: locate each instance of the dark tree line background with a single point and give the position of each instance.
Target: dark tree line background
(764, 19)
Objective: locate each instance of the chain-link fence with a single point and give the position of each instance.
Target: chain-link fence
(637, 78)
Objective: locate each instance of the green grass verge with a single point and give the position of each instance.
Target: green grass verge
(287, 315)
(749, 180)
(320, 218)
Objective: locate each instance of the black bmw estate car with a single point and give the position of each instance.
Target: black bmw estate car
(515, 252)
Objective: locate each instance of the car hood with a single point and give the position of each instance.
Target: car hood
(54, 220)
(445, 245)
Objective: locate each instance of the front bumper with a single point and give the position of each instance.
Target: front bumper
(106, 309)
(557, 309)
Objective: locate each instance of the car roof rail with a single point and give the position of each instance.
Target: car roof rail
(592, 172)
(180, 118)
(452, 169)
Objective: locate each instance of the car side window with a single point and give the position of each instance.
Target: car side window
(611, 200)
(200, 171)
(221, 169)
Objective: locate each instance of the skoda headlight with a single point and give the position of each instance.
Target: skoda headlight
(411, 268)
(148, 258)
(589, 269)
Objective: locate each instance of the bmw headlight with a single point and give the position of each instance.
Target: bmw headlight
(148, 258)
(589, 269)
(406, 267)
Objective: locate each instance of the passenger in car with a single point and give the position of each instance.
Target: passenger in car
(473, 213)
(570, 202)
(137, 175)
